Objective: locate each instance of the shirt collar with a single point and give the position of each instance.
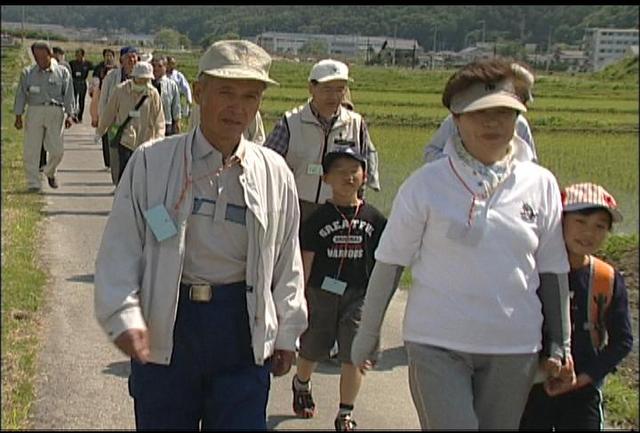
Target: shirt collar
(488, 176)
(49, 69)
(324, 122)
(202, 148)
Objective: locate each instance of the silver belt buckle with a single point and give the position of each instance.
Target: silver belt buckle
(200, 292)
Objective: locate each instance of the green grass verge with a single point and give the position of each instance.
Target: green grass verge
(22, 280)
(403, 109)
(620, 402)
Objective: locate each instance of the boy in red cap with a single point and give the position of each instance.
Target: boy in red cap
(601, 331)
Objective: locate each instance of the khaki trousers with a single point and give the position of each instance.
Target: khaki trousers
(44, 126)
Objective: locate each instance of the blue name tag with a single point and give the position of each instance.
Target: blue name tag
(334, 286)
(160, 222)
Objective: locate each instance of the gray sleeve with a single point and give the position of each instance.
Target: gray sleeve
(373, 178)
(556, 330)
(175, 103)
(21, 94)
(69, 95)
(382, 285)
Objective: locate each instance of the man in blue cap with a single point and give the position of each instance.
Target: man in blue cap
(128, 58)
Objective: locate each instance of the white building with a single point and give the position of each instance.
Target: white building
(604, 46)
(345, 45)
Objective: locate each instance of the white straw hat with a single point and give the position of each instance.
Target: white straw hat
(142, 70)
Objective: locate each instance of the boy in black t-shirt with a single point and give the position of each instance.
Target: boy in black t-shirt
(337, 241)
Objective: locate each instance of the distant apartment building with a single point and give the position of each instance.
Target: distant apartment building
(347, 46)
(604, 46)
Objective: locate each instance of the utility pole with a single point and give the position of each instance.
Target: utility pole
(549, 50)
(366, 56)
(23, 25)
(395, 32)
(433, 53)
(483, 29)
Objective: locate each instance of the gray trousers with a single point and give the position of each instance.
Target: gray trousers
(44, 127)
(466, 391)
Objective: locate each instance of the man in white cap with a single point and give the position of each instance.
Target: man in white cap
(199, 277)
(135, 108)
(47, 90)
(304, 135)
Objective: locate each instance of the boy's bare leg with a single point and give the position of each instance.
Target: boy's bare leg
(350, 381)
(305, 368)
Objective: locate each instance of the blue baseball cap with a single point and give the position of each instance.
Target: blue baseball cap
(128, 50)
(340, 152)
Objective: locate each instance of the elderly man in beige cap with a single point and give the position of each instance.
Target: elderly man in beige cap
(199, 277)
(304, 135)
(135, 111)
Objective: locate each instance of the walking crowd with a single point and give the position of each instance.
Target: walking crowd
(231, 256)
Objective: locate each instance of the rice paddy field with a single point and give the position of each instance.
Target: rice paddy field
(585, 127)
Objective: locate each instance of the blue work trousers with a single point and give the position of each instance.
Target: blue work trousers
(212, 382)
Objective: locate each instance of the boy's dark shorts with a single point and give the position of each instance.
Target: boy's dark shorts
(331, 317)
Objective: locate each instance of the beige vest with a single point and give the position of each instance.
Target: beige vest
(308, 145)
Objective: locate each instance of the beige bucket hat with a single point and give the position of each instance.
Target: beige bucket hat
(236, 59)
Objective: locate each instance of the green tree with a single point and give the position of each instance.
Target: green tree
(184, 41)
(214, 37)
(314, 47)
(167, 38)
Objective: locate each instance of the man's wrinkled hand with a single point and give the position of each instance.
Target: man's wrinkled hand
(135, 344)
(281, 361)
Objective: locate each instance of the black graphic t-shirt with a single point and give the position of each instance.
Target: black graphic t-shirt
(343, 243)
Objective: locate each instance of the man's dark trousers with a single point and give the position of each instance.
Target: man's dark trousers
(80, 92)
(212, 376)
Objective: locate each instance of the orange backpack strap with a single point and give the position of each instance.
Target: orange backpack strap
(601, 278)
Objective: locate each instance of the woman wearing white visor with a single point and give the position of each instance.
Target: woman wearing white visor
(488, 264)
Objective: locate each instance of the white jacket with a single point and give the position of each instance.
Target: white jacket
(137, 278)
